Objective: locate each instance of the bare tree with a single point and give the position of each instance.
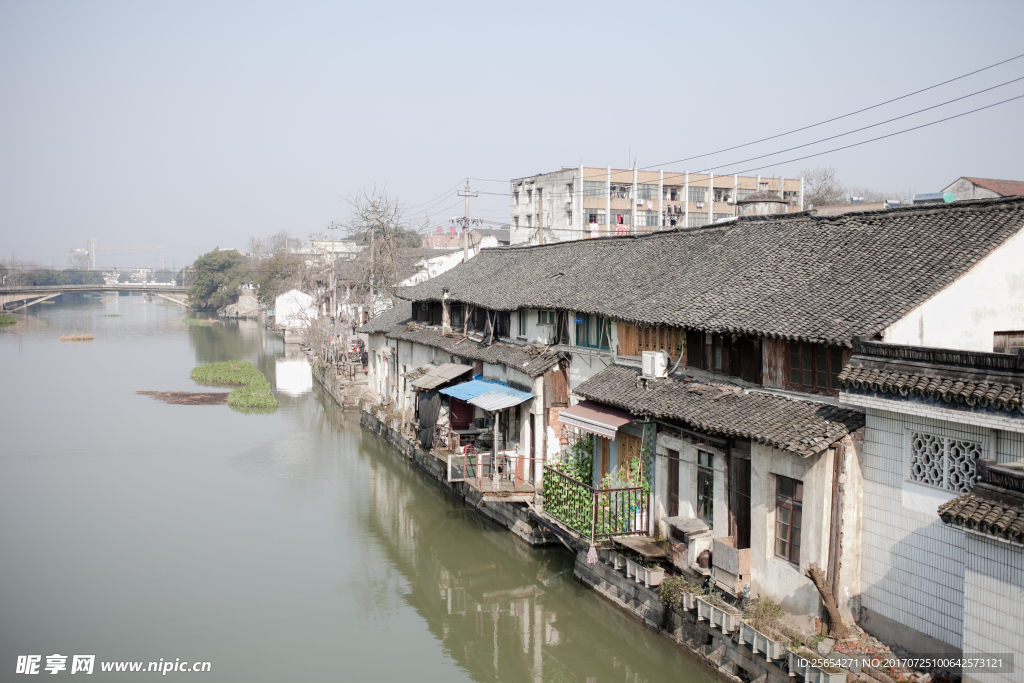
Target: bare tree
(377, 222)
(822, 187)
(869, 195)
(79, 260)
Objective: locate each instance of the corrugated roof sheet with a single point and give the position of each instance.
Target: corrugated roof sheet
(501, 398)
(471, 389)
(441, 374)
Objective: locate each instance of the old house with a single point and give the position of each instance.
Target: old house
(943, 568)
(984, 188)
(710, 363)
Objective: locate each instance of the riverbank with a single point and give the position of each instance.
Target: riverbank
(719, 647)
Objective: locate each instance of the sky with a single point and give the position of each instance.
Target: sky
(195, 125)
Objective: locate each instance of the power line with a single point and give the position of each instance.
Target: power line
(836, 118)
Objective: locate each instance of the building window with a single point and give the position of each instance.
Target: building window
(744, 192)
(698, 194)
(594, 188)
(529, 221)
(515, 221)
(943, 463)
(529, 196)
(621, 191)
(815, 366)
(589, 328)
(521, 326)
(596, 216)
(545, 317)
(789, 503)
(515, 196)
(455, 316)
(706, 487)
(648, 192)
(697, 220)
(723, 194)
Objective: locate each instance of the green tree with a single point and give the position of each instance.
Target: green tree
(276, 275)
(163, 275)
(123, 278)
(218, 276)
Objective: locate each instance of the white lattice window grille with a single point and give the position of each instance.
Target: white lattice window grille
(943, 462)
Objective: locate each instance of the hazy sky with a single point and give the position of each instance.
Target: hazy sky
(193, 125)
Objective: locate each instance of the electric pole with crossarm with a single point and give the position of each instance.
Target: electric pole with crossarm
(465, 221)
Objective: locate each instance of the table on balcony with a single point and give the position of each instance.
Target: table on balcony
(641, 546)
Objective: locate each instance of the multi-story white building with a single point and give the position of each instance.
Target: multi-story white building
(583, 202)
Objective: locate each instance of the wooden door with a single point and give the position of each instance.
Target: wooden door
(673, 483)
(739, 501)
(630, 453)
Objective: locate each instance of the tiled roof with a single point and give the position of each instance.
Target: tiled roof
(985, 515)
(798, 426)
(386, 321)
(973, 379)
(796, 276)
(1003, 188)
(532, 361)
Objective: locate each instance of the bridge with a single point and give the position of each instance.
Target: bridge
(23, 297)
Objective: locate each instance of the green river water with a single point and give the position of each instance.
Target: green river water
(282, 547)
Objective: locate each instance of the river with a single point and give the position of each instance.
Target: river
(282, 547)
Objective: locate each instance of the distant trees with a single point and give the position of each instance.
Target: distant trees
(123, 278)
(218, 277)
(163, 275)
(822, 187)
(276, 275)
(44, 277)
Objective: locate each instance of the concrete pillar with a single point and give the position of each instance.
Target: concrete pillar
(632, 202)
(735, 192)
(608, 202)
(579, 205)
(661, 199)
(711, 197)
(686, 199)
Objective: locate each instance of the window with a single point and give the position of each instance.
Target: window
(529, 195)
(621, 191)
(697, 220)
(589, 328)
(515, 197)
(698, 194)
(595, 216)
(521, 327)
(815, 366)
(529, 221)
(942, 462)
(723, 194)
(515, 221)
(594, 188)
(455, 316)
(502, 321)
(545, 317)
(706, 487)
(744, 192)
(648, 192)
(633, 340)
(1007, 342)
(673, 483)
(789, 502)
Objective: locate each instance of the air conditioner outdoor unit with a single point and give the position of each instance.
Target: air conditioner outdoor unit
(655, 364)
(546, 334)
(639, 202)
(700, 205)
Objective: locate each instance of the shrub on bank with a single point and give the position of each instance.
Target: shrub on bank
(7, 320)
(253, 388)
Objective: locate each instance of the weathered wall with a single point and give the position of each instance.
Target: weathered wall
(964, 189)
(965, 314)
(994, 602)
(771, 575)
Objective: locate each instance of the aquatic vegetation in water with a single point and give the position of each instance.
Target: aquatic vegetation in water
(253, 388)
(7, 320)
(76, 337)
(198, 322)
(188, 398)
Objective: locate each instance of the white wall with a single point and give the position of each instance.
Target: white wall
(294, 309)
(994, 602)
(964, 315)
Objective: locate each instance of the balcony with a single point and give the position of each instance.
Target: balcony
(595, 513)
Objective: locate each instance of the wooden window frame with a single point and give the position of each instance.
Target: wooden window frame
(521, 323)
(817, 367)
(788, 532)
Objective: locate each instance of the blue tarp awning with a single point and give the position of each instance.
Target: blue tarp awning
(475, 388)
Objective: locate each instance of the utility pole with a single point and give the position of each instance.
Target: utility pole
(465, 220)
(334, 286)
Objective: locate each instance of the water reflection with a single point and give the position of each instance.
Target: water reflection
(501, 610)
(293, 372)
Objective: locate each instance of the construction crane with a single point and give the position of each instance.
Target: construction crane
(91, 252)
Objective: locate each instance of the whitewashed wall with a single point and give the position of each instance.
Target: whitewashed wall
(965, 314)
(994, 602)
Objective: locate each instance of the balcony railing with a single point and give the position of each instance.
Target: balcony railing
(595, 513)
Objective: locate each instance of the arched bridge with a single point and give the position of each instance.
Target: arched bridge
(21, 297)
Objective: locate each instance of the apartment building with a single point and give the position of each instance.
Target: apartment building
(585, 202)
